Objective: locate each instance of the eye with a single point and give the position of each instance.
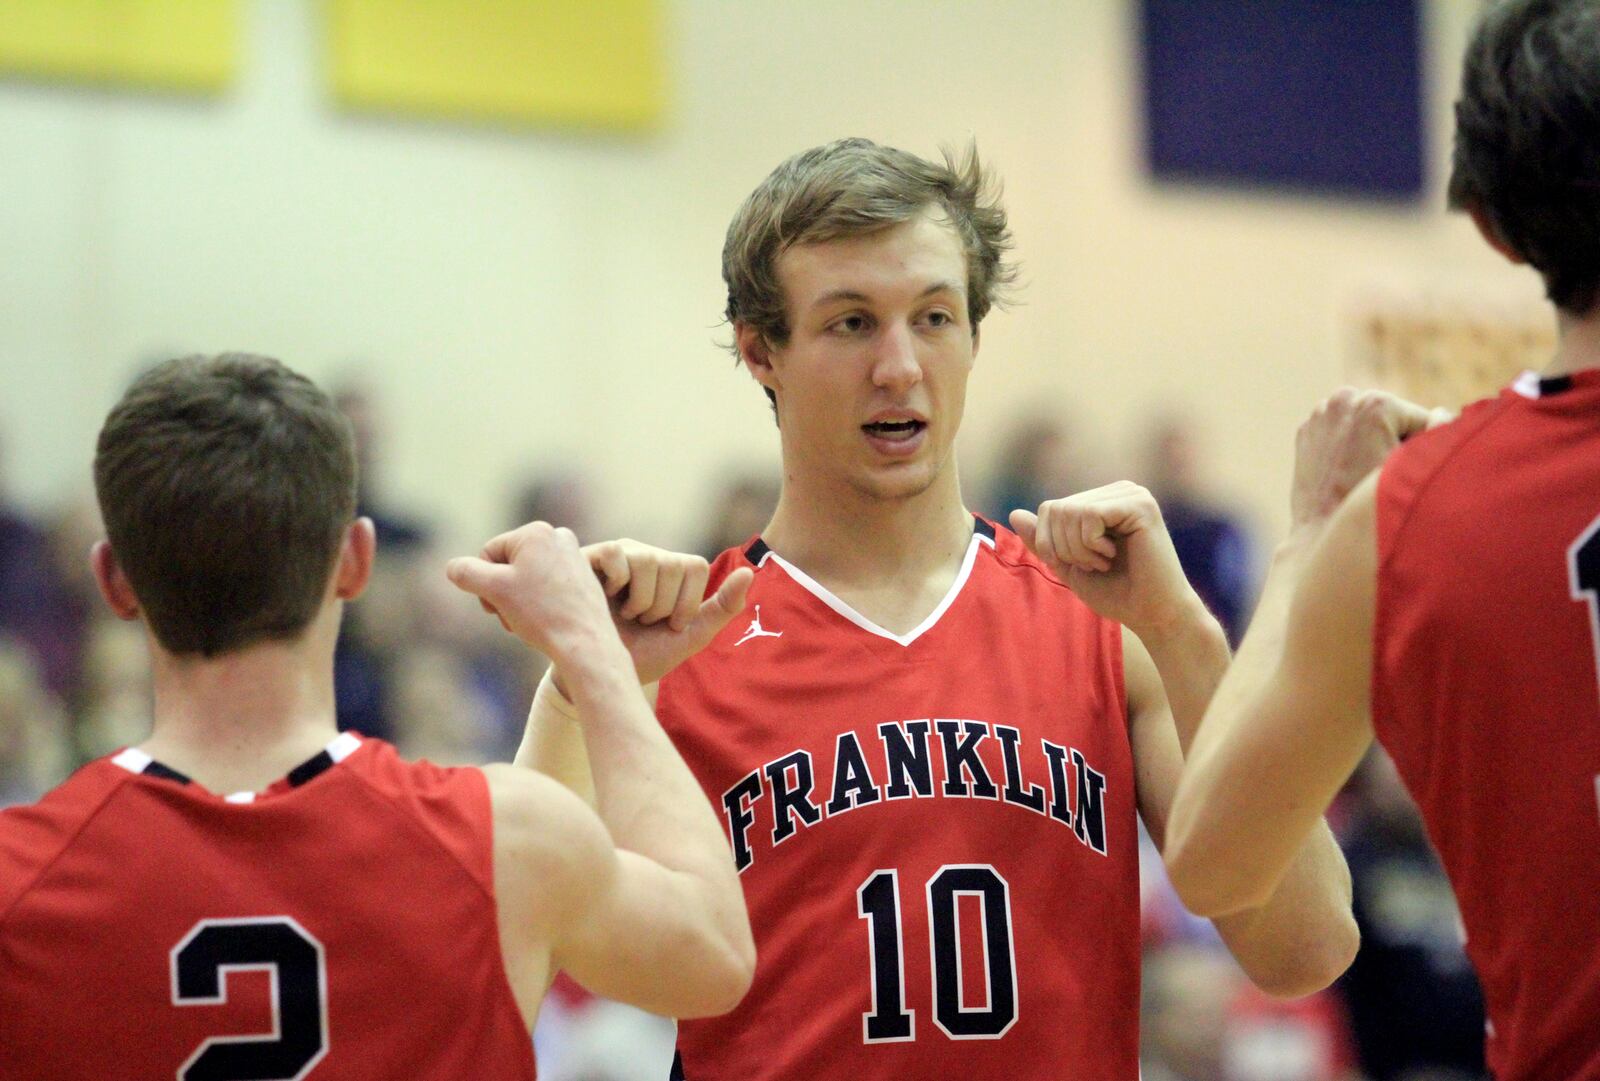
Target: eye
(851, 324)
(939, 318)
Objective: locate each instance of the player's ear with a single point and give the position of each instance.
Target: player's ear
(112, 582)
(355, 559)
(1492, 235)
(756, 354)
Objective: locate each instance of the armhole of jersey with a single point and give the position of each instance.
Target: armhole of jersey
(1119, 674)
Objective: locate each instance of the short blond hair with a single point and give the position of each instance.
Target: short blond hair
(851, 187)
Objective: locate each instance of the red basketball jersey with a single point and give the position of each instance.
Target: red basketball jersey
(935, 831)
(340, 924)
(1485, 693)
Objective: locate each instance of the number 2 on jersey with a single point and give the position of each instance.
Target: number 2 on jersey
(878, 902)
(200, 965)
(1583, 566)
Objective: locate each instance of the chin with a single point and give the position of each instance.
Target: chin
(897, 484)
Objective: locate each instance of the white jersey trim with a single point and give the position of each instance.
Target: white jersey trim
(822, 594)
(343, 746)
(133, 760)
(1527, 384)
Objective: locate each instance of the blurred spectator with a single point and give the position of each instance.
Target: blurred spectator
(1212, 544)
(35, 745)
(1414, 1002)
(560, 498)
(1203, 1021)
(743, 510)
(361, 663)
(116, 704)
(1037, 461)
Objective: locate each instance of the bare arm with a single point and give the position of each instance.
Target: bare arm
(1300, 936)
(1111, 547)
(1289, 723)
(658, 918)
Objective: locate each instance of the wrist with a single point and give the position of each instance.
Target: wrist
(1184, 621)
(597, 668)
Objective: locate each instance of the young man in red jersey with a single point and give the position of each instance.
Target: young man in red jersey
(930, 737)
(1450, 602)
(250, 894)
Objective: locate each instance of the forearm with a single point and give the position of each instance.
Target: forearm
(1301, 935)
(1191, 657)
(552, 742)
(645, 794)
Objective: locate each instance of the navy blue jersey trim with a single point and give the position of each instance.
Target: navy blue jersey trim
(166, 773)
(677, 1067)
(308, 769)
(982, 528)
(756, 552)
(1554, 385)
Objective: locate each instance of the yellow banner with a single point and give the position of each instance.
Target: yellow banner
(594, 63)
(189, 45)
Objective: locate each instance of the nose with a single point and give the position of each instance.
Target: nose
(895, 367)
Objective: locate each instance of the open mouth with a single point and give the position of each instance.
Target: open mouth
(894, 430)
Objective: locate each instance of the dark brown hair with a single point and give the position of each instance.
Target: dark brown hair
(849, 188)
(226, 484)
(1527, 154)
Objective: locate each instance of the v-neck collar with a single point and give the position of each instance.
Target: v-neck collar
(982, 533)
(341, 747)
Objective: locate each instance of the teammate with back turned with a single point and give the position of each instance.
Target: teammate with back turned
(928, 735)
(250, 894)
(1449, 603)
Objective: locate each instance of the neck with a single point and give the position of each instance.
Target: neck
(1580, 343)
(844, 534)
(240, 721)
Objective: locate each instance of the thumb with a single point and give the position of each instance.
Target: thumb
(720, 607)
(1026, 525)
(475, 576)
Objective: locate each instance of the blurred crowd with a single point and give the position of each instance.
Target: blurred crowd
(420, 666)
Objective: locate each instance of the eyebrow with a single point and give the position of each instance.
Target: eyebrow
(853, 295)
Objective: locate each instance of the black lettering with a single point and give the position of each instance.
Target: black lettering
(736, 803)
(789, 802)
(963, 755)
(1033, 796)
(1060, 809)
(905, 748)
(852, 780)
(1091, 817)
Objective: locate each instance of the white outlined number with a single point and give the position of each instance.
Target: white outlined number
(878, 902)
(293, 959)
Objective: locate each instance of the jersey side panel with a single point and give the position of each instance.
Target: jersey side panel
(1485, 693)
(948, 823)
(377, 864)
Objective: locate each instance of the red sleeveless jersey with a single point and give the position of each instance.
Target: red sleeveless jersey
(340, 924)
(935, 831)
(1485, 694)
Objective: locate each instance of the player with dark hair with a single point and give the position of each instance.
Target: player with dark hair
(1449, 603)
(930, 738)
(249, 893)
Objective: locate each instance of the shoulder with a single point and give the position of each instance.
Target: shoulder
(1409, 471)
(546, 836)
(33, 835)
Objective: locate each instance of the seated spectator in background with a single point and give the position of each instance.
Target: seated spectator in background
(1203, 1021)
(115, 693)
(742, 510)
(560, 497)
(1037, 462)
(1415, 1007)
(35, 743)
(1213, 544)
(362, 663)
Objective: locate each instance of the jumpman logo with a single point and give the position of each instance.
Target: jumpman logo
(755, 630)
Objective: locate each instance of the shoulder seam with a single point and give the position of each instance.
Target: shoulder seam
(1409, 515)
(486, 889)
(88, 820)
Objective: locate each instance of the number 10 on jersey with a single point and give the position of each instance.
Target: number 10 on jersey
(878, 902)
